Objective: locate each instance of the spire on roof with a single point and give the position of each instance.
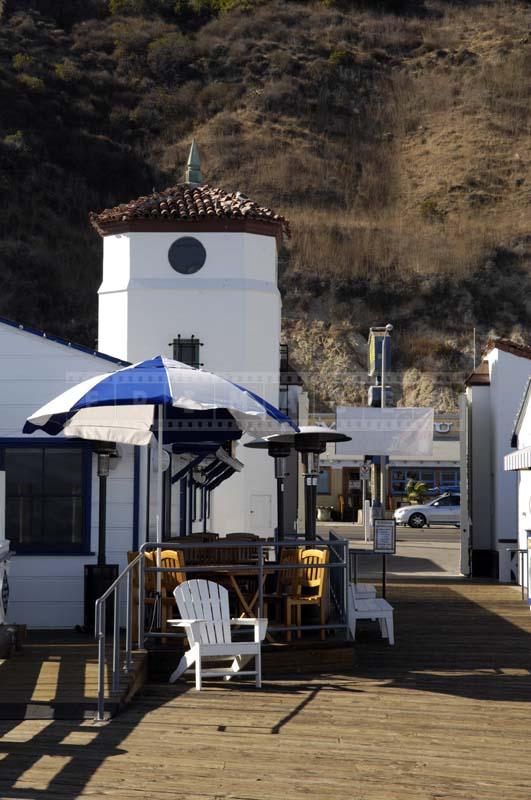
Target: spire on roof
(193, 166)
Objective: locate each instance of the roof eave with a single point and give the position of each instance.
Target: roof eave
(262, 227)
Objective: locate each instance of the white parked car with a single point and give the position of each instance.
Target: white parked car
(443, 510)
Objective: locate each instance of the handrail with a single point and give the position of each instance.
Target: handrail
(5, 557)
(126, 576)
(101, 632)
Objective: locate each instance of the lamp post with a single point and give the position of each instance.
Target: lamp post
(279, 450)
(99, 576)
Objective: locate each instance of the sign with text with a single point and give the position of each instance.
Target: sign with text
(384, 539)
(365, 472)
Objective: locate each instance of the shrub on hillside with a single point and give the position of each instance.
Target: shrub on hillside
(171, 57)
(32, 83)
(23, 62)
(67, 71)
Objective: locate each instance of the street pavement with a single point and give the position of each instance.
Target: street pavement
(428, 552)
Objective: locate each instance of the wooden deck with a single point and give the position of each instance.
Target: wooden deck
(444, 714)
(55, 676)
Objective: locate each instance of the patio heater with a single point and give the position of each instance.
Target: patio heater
(279, 449)
(310, 442)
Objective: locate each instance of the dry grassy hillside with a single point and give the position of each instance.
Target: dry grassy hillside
(398, 144)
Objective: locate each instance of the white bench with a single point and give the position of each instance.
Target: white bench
(375, 608)
(364, 591)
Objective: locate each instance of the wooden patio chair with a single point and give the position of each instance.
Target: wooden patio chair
(204, 607)
(169, 580)
(286, 581)
(311, 588)
(150, 587)
(199, 555)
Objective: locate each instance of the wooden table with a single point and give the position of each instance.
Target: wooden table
(250, 571)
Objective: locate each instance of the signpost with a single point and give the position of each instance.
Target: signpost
(365, 474)
(384, 542)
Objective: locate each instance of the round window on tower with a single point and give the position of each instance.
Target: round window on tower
(187, 255)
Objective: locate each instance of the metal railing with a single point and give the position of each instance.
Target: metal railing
(121, 661)
(125, 579)
(5, 557)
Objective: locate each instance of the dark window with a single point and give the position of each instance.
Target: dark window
(187, 351)
(451, 500)
(449, 478)
(323, 481)
(427, 476)
(44, 499)
(187, 255)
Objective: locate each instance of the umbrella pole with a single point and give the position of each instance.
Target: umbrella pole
(160, 433)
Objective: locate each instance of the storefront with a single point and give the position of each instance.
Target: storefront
(340, 488)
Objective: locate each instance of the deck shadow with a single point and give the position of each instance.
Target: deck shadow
(453, 639)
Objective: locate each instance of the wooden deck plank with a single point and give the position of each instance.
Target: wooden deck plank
(444, 714)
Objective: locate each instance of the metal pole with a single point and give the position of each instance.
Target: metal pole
(280, 509)
(160, 434)
(345, 583)
(129, 622)
(261, 582)
(382, 405)
(100, 622)
(383, 574)
(190, 501)
(116, 642)
(102, 519)
(141, 601)
(310, 502)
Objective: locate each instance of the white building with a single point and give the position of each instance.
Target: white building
(519, 462)
(190, 273)
(51, 484)
(489, 510)
(340, 486)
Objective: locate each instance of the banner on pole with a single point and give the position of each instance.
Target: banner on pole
(385, 431)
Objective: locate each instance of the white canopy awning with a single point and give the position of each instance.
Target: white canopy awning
(520, 459)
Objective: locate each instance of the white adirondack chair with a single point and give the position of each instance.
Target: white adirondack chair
(204, 606)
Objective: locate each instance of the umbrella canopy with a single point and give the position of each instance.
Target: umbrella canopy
(120, 406)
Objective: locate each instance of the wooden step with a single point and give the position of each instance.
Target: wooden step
(59, 680)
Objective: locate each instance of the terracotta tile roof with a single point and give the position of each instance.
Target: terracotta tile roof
(508, 346)
(187, 203)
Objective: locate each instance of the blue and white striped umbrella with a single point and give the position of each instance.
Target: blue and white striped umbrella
(120, 406)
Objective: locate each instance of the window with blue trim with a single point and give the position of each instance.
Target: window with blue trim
(45, 501)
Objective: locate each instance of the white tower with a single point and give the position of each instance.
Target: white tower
(193, 264)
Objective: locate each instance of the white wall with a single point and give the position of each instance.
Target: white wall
(47, 591)
(232, 305)
(524, 488)
(509, 376)
(480, 487)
